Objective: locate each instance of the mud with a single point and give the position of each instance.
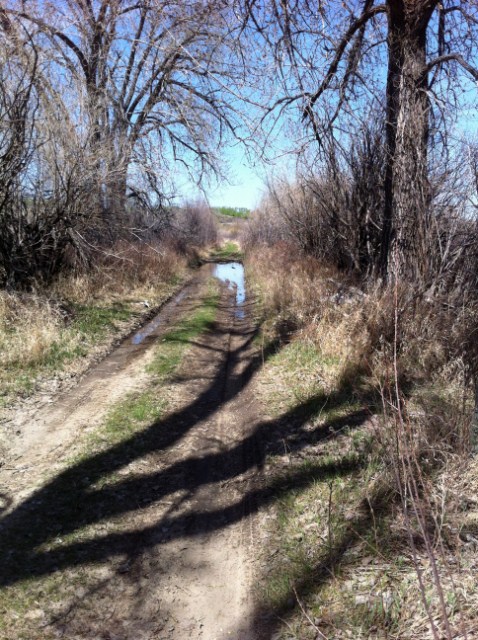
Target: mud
(41, 435)
(179, 562)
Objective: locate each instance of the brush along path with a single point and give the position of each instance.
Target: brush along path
(149, 536)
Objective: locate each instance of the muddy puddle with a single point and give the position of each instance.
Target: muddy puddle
(232, 274)
(156, 322)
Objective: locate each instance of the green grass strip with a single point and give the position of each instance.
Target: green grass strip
(127, 422)
(228, 251)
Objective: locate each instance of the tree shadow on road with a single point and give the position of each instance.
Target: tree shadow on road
(76, 497)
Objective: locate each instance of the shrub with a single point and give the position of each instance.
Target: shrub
(194, 224)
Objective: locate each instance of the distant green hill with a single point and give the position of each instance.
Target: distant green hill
(235, 212)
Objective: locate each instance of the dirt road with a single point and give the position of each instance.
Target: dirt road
(167, 544)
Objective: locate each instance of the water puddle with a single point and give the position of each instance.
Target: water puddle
(151, 326)
(232, 273)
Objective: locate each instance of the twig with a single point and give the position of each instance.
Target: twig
(314, 626)
(329, 515)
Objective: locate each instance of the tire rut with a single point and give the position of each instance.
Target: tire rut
(179, 560)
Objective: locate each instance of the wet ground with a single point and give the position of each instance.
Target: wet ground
(232, 274)
(172, 549)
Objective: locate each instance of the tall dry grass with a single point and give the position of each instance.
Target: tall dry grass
(403, 353)
(58, 325)
(290, 285)
(28, 326)
(127, 270)
(55, 331)
(378, 331)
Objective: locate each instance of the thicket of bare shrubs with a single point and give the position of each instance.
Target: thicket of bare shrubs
(408, 348)
(194, 224)
(90, 127)
(57, 212)
(127, 270)
(335, 216)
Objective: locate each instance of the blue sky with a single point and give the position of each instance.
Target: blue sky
(243, 187)
(246, 184)
(246, 178)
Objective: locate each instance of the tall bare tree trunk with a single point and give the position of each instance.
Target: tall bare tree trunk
(407, 194)
(474, 423)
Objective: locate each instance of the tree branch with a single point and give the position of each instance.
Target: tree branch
(332, 70)
(59, 34)
(450, 57)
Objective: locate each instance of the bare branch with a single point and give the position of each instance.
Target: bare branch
(340, 49)
(449, 57)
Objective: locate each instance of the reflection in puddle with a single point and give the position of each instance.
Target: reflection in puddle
(232, 273)
(149, 328)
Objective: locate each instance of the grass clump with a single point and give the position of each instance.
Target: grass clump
(366, 504)
(35, 341)
(55, 332)
(233, 212)
(228, 251)
(174, 341)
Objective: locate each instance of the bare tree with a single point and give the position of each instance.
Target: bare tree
(153, 69)
(48, 173)
(335, 213)
(411, 56)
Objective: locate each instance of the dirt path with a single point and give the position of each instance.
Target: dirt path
(170, 545)
(41, 436)
(205, 568)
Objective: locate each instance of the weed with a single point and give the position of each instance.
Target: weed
(233, 212)
(55, 332)
(352, 540)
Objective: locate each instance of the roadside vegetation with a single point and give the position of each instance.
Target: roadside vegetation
(379, 536)
(233, 212)
(54, 330)
(364, 261)
(227, 251)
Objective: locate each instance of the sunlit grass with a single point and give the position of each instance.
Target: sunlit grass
(228, 251)
(168, 356)
(337, 556)
(55, 332)
(50, 346)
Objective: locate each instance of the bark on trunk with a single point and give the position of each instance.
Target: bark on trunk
(407, 193)
(474, 424)
(117, 197)
(118, 157)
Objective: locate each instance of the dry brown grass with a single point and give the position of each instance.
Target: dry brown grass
(127, 271)
(56, 331)
(290, 288)
(367, 344)
(28, 325)
(357, 327)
